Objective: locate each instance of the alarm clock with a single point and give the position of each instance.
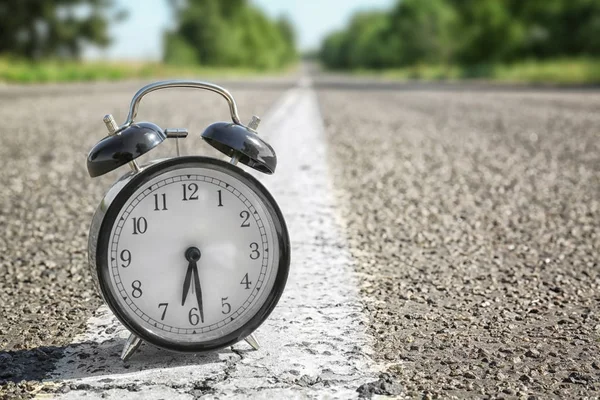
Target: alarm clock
(190, 253)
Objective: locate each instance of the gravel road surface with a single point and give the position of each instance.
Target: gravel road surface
(472, 215)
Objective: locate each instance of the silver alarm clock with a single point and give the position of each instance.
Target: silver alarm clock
(190, 253)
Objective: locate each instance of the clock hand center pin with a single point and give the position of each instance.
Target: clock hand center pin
(192, 254)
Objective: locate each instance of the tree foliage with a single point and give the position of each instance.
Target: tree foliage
(423, 31)
(228, 33)
(469, 32)
(59, 28)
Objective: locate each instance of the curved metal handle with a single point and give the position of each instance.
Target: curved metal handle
(135, 102)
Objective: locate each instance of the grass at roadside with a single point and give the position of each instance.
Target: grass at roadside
(19, 71)
(562, 72)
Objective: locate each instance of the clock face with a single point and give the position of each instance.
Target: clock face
(193, 255)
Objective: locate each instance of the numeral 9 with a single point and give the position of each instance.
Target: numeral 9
(126, 258)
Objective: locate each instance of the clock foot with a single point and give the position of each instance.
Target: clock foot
(252, 341)
(132, 344)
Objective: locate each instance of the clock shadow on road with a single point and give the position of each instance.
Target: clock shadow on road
(96, 359)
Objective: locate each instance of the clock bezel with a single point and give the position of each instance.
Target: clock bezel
(100, 240)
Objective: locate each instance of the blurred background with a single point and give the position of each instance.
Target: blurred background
(555, 41)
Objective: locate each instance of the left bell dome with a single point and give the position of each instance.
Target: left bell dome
(116, 150)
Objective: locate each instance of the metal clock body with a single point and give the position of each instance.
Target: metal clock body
(190, 253)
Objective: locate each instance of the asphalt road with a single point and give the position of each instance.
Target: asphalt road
(472, 214)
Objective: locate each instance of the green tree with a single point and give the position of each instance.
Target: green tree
(489, 31)
(424, 31)
(288, 33)
(414, 31)
(555, 28)
(178, 51)
(467, 32)
(333, 53)
(366, 43)
(42, 28)
(227, 33)
(369, 43)
(263, 45)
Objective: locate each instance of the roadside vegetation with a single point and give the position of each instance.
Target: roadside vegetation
(561, 71)
(551, 41)
(209, 37)
(46, 71)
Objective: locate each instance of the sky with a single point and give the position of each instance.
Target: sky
(139, 37)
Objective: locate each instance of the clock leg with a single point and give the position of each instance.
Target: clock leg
(252, 341)
(132, 344)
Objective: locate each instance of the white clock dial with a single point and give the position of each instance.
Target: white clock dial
(231, 234)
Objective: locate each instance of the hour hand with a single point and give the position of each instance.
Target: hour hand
(187, 281)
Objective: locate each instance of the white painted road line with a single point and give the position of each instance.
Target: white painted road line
(313, 345)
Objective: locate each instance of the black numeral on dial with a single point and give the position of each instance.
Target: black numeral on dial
(160, 202)
(194, 317)
(226, 306)
(246, 216)
(246, 282)
(126, 258)
(255, 253)
(165, 305)
(190, 191)
(137, 289)
(140, 225)
(220, 199)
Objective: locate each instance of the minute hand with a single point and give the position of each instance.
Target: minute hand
(198, 291)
